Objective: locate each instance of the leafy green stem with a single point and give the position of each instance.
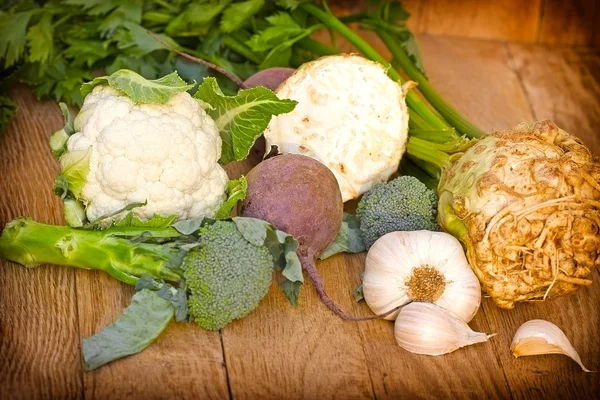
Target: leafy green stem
(315, 47)
(446, 110)
(235, 45)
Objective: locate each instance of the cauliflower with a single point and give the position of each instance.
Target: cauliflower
(404, 204)
(163, 154)
(350, 116)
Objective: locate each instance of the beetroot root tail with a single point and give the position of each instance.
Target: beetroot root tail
(308, 265)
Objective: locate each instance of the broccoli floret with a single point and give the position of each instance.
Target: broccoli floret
(403, 204)
(226, 275)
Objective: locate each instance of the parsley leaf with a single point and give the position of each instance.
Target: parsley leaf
(282, 27)
(13, 29)
(238, 13)
(40, 39)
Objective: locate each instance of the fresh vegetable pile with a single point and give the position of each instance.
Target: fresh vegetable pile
(148, 201)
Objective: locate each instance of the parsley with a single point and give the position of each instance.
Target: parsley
(55, 45)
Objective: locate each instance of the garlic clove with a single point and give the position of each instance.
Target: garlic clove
(538, 337)
(420, 266)
(425, 328)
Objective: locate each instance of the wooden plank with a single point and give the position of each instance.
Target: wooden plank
(501, 19)
(571, 23)
(39, 336)
(185, 362)
(564, 86)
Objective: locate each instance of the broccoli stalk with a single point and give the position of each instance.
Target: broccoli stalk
(113, 250)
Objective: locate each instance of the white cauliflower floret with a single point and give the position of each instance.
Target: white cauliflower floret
(350, 116)
(164, 154)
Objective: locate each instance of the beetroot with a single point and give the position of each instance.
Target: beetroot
(270, 77)
(300, 196)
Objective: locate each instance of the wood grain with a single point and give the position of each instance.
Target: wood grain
(307, 352)
(564, 86)
(573, 23)
(39, 336)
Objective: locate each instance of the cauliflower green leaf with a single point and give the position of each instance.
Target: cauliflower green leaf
(58, 141)
(75, 166)
(139, 325)
(140, 89)
(236, 191)
(242, 118)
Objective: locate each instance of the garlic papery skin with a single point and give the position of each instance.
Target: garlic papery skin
(537, 337)
(424, 328)
(420, 266)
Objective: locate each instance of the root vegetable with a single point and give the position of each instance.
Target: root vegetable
(301, 197)
(350, 116)
(270, 77)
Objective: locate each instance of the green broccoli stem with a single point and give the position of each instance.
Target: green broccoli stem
(113, 250)
(412, 99)
(451, 115)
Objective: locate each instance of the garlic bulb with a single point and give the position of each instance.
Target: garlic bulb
(420, 266)
(538, 337)
(424, 328)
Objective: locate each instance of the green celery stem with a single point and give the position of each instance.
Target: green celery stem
(425, 151)
(451, 115)
(412, 99)
(31, 243)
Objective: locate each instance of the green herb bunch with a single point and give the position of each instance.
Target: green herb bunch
(55, 46)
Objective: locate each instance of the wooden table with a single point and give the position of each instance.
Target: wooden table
(279, 351)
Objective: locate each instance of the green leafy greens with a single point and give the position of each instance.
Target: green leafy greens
(139, 325)
(241, 118)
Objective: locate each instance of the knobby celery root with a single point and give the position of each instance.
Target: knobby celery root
(526, 204)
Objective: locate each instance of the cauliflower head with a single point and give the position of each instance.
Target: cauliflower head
(163, 154)
(403, 204)
(350, 116)
(226, 275)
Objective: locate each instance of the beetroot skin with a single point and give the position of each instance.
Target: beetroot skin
(300, 196)
(270, 77)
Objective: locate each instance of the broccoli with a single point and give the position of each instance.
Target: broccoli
(224, 267)
(403, 204)
(226, 275)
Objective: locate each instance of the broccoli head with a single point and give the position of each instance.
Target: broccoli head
(403, 204)
(226, 276)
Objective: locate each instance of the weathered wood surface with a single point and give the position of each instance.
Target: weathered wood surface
(278, 351)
